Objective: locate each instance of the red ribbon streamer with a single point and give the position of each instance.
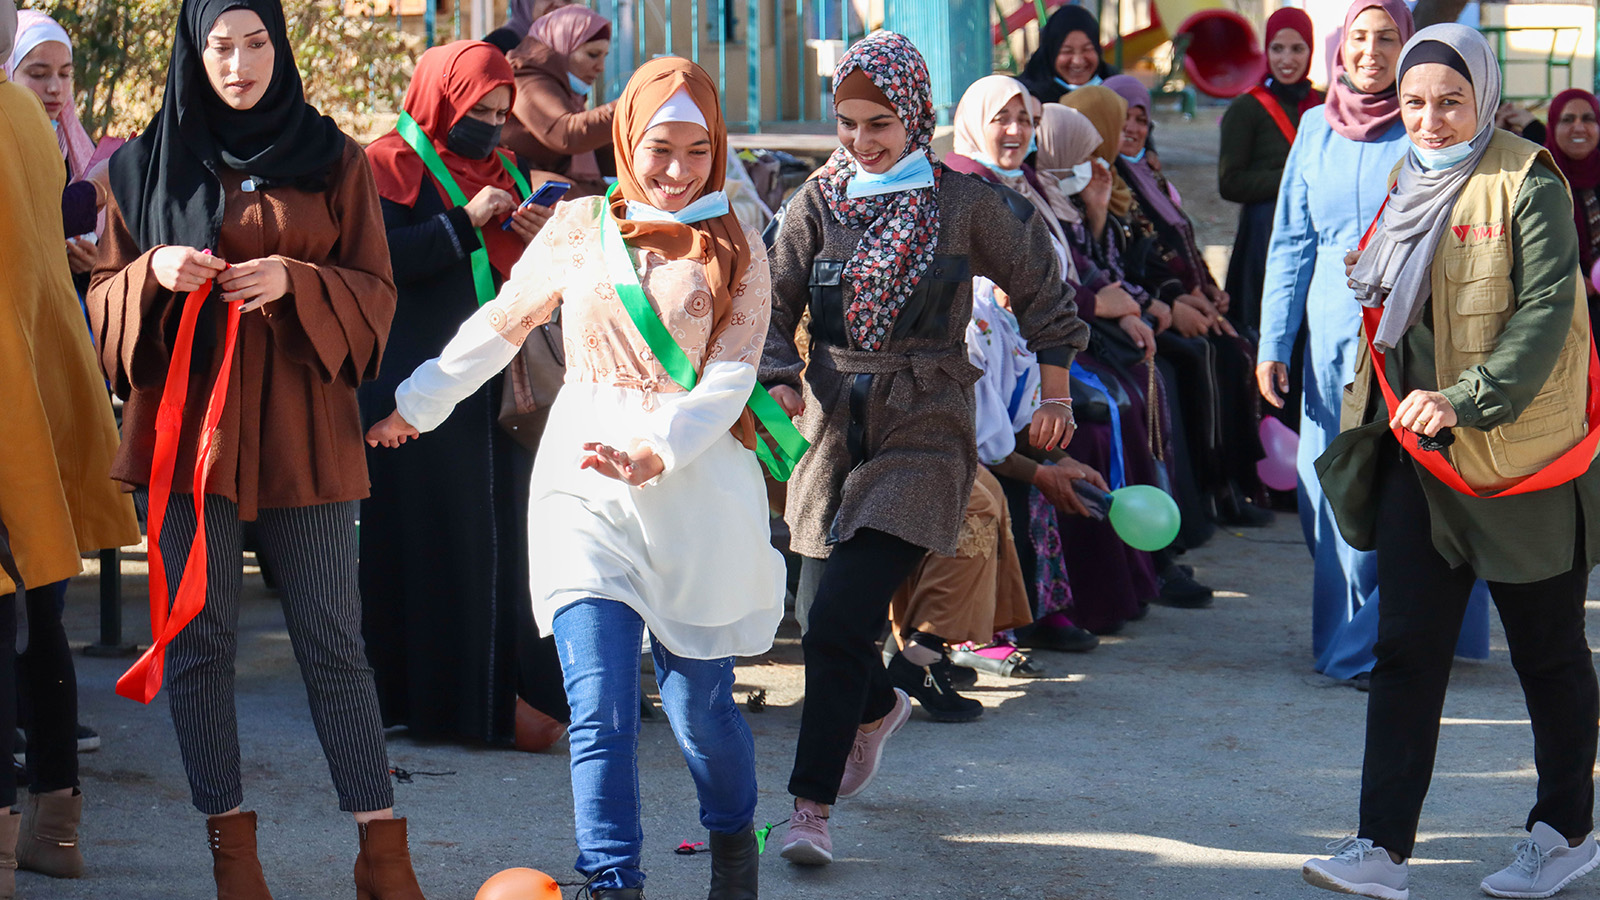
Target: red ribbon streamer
(142, 681)
(1559, 471)
(1275, 111)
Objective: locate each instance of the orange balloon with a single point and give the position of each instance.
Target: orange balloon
(519, 884)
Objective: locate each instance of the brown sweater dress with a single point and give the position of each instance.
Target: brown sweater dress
(291, 432)
(919, 436)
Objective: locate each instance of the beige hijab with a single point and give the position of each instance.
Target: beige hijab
(978, 105)
(1066, 138)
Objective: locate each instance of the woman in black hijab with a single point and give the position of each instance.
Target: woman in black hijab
(1069, 55)
(239, 182)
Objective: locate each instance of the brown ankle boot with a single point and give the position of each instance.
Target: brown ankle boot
(10, 827)
(383, 868)
(234, 863)
(48, 842)
(536, 732)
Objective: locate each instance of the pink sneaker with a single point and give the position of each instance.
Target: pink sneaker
(868, 749)
(806, 842)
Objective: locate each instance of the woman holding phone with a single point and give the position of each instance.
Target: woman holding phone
(446, 613)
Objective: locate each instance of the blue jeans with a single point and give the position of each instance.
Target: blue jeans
(598, 641)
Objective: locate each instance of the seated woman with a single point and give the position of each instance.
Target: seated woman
(1036, 485)
(446, 614)
(551, 124)
(1068, 57)
(1216, 383)
(965, 597)
(993, 131)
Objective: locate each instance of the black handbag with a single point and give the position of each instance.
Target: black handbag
(531, 383)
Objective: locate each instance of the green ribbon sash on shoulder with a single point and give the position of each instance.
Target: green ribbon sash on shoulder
(787, 444)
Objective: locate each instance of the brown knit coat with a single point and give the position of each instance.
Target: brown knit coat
(920, 435)
(291, 432)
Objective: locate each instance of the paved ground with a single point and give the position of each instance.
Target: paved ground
(1196, 756)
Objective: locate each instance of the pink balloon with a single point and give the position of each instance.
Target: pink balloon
(1594, 275)
(1277, 468)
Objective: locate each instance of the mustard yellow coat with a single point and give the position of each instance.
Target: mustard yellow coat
(57, 433)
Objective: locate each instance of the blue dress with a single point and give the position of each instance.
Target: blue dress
(1332, 188)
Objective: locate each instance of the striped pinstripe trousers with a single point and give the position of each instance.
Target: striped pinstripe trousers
(313, 551)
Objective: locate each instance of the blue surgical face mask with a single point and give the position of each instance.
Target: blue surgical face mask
(710, 206)
(1444, 157)
(913, 172)
(995, 167)
(1134, 159)
(1070, 87)
(578, 85)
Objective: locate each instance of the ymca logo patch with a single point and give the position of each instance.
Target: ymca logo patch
(1478, 232)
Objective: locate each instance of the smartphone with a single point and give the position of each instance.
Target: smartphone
(547, 195)
(1098, 501)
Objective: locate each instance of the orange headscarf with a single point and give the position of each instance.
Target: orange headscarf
(719, 243)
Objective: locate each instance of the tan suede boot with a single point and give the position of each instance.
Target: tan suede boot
(48, 843)
(234, 863)
(383, 867)
(10, 827)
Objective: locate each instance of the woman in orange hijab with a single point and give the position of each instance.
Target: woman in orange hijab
(634, 470)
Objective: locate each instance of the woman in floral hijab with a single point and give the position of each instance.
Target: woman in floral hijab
(882, 247)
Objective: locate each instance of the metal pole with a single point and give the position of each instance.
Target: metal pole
(430, 19)
(752, 47)
(110, 643)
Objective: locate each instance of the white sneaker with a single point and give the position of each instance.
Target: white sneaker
(1357, 867)
(1544, 865)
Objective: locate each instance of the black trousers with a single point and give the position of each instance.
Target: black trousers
(40, 680)
(846, 683)
(1419, 619)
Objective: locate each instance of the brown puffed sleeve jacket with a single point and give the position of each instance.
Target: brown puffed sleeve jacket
(291, 432)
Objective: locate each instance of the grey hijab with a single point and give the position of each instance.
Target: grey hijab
(8, 27)
(1395, 271)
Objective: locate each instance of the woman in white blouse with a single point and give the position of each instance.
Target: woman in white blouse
(647, 508)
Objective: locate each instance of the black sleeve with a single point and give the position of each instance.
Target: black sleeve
(1535, 132)
(423, 247)
(503, 38)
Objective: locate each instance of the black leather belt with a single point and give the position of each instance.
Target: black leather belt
(855, 438)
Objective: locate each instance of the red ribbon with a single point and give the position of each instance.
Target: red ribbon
(1275, 111)
(143, 680)
(1561, 470)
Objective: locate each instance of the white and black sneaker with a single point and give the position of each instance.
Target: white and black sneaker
(1357, 867)
(1544, 865)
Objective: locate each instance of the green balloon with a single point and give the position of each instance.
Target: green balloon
(1144, 516)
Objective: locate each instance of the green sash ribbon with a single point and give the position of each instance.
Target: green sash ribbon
(412, 134)
(788, 445)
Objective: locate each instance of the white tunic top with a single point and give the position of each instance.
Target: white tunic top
(690, 551)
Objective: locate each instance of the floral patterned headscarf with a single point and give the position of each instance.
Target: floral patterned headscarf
(901, 228)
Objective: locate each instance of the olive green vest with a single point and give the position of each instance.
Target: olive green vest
(1472, 302)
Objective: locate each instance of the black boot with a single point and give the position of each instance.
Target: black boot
(933, 690)
(735, 861)
(618, 894)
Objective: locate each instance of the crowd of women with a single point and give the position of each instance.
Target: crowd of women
(1005, 334)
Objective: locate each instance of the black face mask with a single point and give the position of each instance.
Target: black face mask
(472, 138)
